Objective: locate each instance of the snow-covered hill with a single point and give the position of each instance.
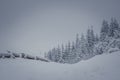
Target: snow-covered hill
(101, 67)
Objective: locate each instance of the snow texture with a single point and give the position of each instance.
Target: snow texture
(102, 67)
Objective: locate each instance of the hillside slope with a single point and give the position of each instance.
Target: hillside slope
(102, 67)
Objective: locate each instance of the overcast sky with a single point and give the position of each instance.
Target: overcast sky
(34, 26)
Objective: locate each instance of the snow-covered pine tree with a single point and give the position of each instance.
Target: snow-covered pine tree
(69, 47)
(75, 54)
(90, 38)
(62, 52)
(114, 30)
(96, 39)
(53, 54)
(90, 42)
(73, 46)
(77, 43)
(65, 53)
(69, 55)
(83, 48)
(77, 50)
(58, 54)
(104, 30)
(63, 49)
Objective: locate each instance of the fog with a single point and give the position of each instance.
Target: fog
(35, 26)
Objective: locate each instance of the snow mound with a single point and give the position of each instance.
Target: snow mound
(101, 67)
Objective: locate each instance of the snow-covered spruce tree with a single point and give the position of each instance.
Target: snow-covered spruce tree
(76, 50)
(53, 55)
(70, 55)
(77, 43)
(75, 54)
(77, 47)
(103, 40)
(67, 53)
(59, 54)
(83, 48)
(90, 42)
(104, 31)
(96, 39)
(61, 60)
(114, 30)
(90, 38)
(110, 34)
(48, 55)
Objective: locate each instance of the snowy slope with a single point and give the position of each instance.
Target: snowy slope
(102, 67)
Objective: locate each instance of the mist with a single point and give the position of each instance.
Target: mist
(35, 26)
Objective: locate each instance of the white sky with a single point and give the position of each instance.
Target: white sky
(34, 26)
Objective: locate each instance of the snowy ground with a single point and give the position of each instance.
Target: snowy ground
(102, 67)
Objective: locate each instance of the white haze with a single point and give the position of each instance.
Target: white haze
(33, 26)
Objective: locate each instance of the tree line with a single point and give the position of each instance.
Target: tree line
(85, 46)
